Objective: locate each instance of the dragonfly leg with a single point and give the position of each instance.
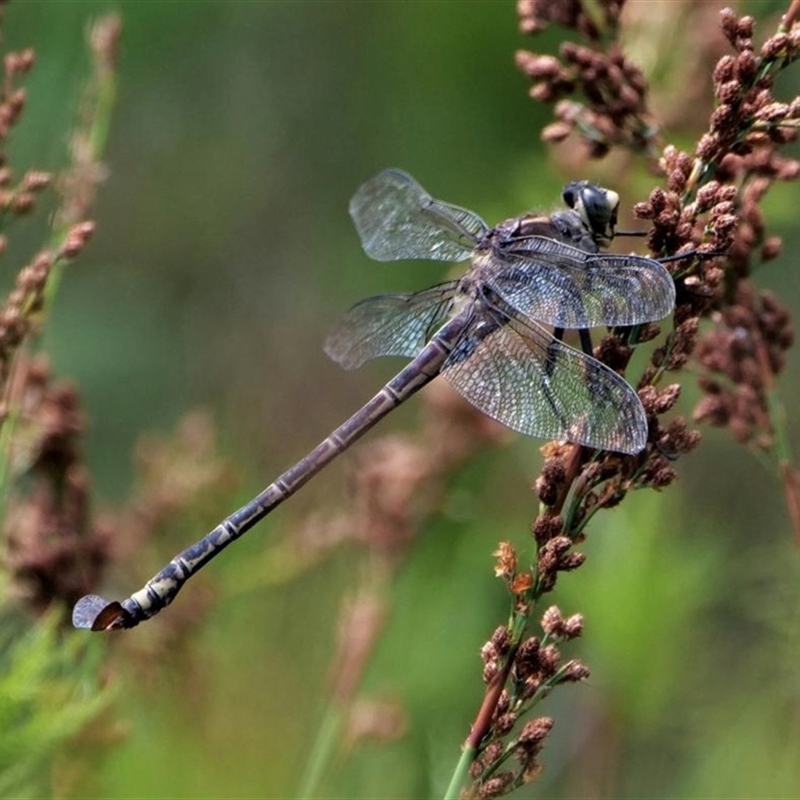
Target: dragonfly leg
(558, 334)
(586, 341)
(550, 365)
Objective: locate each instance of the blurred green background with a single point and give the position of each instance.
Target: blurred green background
(223, 254)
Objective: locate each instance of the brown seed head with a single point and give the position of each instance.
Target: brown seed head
(496, 786)
(506, 564)
(547, 527)
(501, 640)
(552, 621)
(35, 181)
(551, 480)
(526, 662)
(504, 724)
(488, 652)
(521, 583)
(575, 671)
(559, 628)
(549, 659)
(23, 202)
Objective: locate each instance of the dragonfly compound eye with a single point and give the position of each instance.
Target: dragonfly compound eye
(598, 208)
(572, 193)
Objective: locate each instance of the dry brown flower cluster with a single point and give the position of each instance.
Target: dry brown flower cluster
(741, 358)
(712, 204)
(51, 547)
(78, 185)
(528, 672)
(613, 109)
(707, 213)
(20, 310)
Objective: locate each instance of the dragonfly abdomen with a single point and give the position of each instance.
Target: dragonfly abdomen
(94, 612)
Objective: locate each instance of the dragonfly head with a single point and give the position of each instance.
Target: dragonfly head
(597, 207)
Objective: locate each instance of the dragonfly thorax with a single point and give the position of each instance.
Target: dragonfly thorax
(565, 226)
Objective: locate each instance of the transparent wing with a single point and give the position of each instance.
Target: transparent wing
(389, 325)
(560, 285)
(396, 218)
(521, 376)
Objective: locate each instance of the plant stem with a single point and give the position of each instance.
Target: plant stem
(321, 752)
(468, 754)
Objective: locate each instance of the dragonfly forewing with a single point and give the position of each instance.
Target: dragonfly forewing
(519, 375)
(396, 219)
(389, 325)
(560, 285)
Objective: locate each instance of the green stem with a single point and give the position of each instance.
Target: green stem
(321, 752)
(777, 415)
(460, 773)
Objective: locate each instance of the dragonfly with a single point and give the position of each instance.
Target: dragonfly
(495, 335)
